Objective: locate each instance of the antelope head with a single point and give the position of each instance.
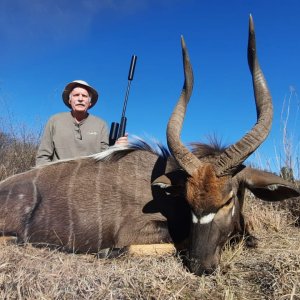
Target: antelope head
(211, 188)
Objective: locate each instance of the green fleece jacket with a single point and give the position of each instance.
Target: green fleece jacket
(64, 138)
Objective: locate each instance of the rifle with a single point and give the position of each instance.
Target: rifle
(117, 130)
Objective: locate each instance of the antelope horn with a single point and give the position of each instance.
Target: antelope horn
(188, 161)
(233, 156)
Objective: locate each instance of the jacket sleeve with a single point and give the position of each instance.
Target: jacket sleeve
(46, 149)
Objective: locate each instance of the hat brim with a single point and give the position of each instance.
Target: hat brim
(69, 88)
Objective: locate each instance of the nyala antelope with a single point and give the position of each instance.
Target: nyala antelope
(134, 195)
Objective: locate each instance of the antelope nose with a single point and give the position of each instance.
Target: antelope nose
(198, 268)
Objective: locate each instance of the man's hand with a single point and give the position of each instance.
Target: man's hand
(122, 141)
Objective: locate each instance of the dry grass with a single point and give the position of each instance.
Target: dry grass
(17, 154)
(272, 271)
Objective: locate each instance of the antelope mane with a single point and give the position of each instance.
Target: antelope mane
(115, 153)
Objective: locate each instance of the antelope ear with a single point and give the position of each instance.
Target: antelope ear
(172, 183)
(267, 186)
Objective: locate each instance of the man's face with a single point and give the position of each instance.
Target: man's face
(80, 100)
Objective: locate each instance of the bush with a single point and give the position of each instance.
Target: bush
(17, 154)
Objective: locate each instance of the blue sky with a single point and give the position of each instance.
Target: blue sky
(46, 44)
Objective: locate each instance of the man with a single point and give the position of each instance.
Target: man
(75, 133)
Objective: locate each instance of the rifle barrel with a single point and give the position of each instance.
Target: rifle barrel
(117, 130)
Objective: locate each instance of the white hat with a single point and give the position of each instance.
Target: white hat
(70, 87)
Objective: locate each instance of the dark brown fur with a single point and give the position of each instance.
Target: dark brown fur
(85, 205)
(139, 197)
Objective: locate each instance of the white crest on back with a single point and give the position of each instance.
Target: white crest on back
(102, 155)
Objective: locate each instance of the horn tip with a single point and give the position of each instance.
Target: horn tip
(182, 41)
(251, 23)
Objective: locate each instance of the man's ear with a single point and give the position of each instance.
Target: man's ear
(267, 186)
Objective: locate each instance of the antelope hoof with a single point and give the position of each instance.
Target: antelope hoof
(8, 240)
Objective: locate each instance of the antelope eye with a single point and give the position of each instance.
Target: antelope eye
(228, 201)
